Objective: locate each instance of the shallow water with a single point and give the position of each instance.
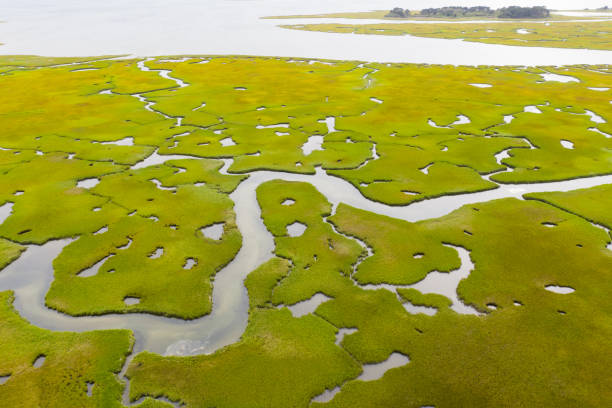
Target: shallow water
(159, 251)
(373, 372)
(31, 275)
(5, 210)
(307, 306)
(160, 186)
(94, 269)
(129, 300)
(412, 309)
(296, 229)
(344, 332)
(370, 372)
(228, 141)
(439, 283)
(127, 141)
(189, 263)
(314, 143)
(90, 386)
(153, 27)
(214, 231)
(156, 158)
(40, 360)
(330, 122)
(88, 183)
(532, 109)
(606, 135)
(562, 290)
(595, 117)
(159, 27)
(549, 77)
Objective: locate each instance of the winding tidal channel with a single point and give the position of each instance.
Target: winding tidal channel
(31, 275)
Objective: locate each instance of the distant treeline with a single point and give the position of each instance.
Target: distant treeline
(479, 11)
(398, 12)
(523, 12)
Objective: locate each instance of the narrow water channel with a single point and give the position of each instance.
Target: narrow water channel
(31, 275)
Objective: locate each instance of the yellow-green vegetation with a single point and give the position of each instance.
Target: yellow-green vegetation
(35, 61)
(41, 368)
(59, 130)
(588, 155)
(62, 110)
(320, 258)
(145, 254)
(595, 35)
(538, 232)
(239, 108)
(13, 62)
(9, 251)
(593, 204)
(296, 96)
(94, 120)
(280, 360)
(399, 133)
(537, 348)
(418, 299)
(48, 203)
(71, 362)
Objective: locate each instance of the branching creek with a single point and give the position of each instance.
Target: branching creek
(31, 275)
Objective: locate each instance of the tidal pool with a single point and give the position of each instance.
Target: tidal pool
(373, 372)
(549, 77)
(313, 143)
(370, 372)
(296, 229)
(88, 183)
(562, 290)
(214, 231)
(307, 306)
